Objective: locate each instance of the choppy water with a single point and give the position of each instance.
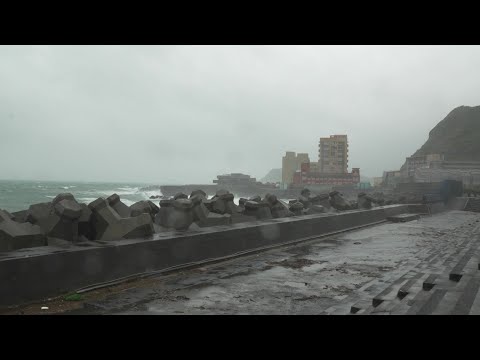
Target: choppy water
(19, 195)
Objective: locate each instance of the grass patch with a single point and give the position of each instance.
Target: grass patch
(73, 297)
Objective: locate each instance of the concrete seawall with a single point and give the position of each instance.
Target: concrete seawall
(36, 273)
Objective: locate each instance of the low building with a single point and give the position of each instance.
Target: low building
(469, 177)
(457, 165)
(305, 176)
(392, 178)
(377, 181)
(291, 162)
(413, 163)
(364, 186)
(234, 179)
(434, 168)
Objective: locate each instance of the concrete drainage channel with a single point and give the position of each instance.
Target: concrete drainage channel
(33, 274)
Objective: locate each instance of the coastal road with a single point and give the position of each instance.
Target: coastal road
(326, 276)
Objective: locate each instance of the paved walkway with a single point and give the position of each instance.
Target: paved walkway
(428, 266)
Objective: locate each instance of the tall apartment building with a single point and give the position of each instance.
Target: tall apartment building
(333, 154)
(315, 167)
(292, 162)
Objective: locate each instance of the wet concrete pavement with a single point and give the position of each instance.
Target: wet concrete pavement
(326, 276)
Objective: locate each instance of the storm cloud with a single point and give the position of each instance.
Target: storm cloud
(183, 114)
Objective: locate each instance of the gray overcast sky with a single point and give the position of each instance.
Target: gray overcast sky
(183, 114)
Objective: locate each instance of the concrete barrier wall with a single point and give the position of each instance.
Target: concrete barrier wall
(437, 208)
(420, 187)
(36, 273)
(458, 203)
(419, 209)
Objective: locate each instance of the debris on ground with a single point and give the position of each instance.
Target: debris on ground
(293, 263)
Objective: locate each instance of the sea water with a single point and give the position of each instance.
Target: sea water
(19, 195)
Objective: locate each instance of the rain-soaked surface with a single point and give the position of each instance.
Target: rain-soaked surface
(319, 277)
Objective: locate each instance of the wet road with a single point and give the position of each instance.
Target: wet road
(319, 277)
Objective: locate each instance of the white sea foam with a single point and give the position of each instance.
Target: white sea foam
(125, 191)
(147, 194)
(86, 200)
(128, 202)
(123, 200)
(129, 189)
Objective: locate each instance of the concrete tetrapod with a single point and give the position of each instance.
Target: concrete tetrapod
(15, 235)
(58, 219)
(278, 208)
(321, 199)
(144, 207)
(175, 214)
(338, 202)
(107, 224)
(296, 208)
(364, 201)
(117, 205)
(259, 210)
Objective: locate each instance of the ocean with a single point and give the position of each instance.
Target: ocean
(19, 195)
